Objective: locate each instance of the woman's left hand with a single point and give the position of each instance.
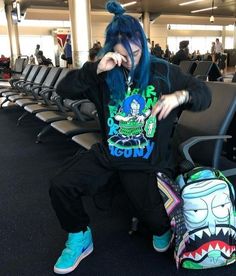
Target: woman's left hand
(164, 106)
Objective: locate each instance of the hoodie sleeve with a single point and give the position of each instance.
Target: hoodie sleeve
(200, 95)
(76, 84)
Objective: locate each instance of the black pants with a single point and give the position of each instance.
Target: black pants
(87, 174)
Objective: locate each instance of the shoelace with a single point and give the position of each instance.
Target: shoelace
(72, 246)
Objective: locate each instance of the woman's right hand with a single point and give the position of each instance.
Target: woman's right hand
(109, 61)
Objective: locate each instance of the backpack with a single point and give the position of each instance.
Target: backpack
(201, 208)
(204, 222)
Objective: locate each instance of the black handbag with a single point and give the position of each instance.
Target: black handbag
(63, 56)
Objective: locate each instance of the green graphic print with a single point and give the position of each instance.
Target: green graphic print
(130, 124)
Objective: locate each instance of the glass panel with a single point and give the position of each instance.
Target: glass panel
(46, 42)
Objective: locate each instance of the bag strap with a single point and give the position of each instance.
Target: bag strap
(187, 175)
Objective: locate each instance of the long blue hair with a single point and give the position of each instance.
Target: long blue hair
(125, 29)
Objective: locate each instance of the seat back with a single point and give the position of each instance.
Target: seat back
(206, 69)
(51, 77)
(26, 72)
(214, 73)
(188, 66)
(213, 121)
(33, 73)
(19, 65)
(63, 73)
(42, 73)
(203, 68)
(234, 77)
(51, 96)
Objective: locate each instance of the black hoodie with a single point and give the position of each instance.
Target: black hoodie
(127, 142)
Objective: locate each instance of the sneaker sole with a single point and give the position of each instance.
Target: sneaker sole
(88, 251)
(165, 248)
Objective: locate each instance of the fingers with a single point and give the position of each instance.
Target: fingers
(163, 107)
(165, 110)
(117, 58)
(109, 61)
(157, 108)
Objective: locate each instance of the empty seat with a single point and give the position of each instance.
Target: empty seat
(86, 140)
(208, 127)
(37, 91)
(207, 69)
(23, 100)
(85, 119)
(188, 66)
(21, 85)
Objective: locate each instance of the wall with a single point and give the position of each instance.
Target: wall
(158, 34)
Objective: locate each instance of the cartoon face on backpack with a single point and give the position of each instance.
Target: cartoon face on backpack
(210, 222)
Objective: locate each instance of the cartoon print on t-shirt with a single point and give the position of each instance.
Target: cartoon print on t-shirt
(128, 125)
(131, 119)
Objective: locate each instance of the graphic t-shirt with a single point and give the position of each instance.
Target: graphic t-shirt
(131, 128)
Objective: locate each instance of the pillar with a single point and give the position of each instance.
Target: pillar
(223, 36)
(146, 24)
(234, 35)
(80, 30)
(13, 34)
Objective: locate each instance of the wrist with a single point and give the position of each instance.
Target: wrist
(182, 96)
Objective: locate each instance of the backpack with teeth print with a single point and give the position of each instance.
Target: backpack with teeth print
(204, 228)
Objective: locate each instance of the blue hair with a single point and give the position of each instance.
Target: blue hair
(125, 29)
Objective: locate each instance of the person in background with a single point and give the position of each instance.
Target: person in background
(93, 52)
(68, 53)
(97, 45)
(213, 50)
(137, 97)
(149, 45)
(37, 51)
(182, 54)
(31, 59)
(167, 53)
(157, 51)
(218, 49)
(42, 60)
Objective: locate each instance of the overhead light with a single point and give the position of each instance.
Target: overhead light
(18, 11)
(190, 2)
(212, 18)
(129, 4)
(206, 9)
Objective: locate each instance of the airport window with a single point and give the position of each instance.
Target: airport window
(3, 20)
(203, 44)
(46, 42)
(229, 42)
(5, 46)
(229, 28)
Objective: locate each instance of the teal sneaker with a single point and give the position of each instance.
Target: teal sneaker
(162, 243)
(78, 246)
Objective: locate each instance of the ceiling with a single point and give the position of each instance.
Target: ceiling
(156, 8)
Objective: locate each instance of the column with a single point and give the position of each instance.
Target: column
(80, 30)
(234, 35)
(13, 34)
(146, 24)
(223, 36)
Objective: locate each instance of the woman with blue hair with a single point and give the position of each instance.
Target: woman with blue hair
(138, 98)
